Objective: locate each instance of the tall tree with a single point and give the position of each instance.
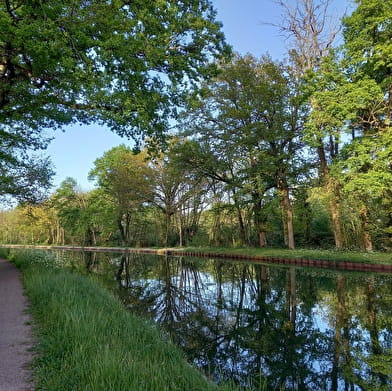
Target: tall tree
(368, 168)
(23, 177)
(310, 29)
(175, 186)
(78, 212)
(208, 158)
(128, 64)
(353, 95)
(128, 180)
(251, 122)
(311, 36)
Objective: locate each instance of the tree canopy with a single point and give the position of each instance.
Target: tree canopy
(124, 63)
(127, 64)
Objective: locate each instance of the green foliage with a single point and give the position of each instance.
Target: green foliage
(262, 141)
(129, 65)
(127, 179)
(335, 100)
(119, 62)
(349, 96)
(24, 178)
(179, 193)
(366, 162)
(367, 34)
(245, 132)
(83, 216)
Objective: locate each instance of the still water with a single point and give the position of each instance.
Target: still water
(263, 326)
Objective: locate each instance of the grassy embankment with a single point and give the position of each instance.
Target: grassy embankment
(376, 257)
(87, 341)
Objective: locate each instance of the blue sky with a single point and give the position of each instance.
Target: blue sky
(74, 151)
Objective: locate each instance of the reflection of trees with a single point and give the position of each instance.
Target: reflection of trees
(91, 261)
(278, 335)
(342, 360)
(134, 284)
(258, 325)
(379, 360)
(361, 345)
(242, 328)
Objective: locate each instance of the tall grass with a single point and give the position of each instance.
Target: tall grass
(87, 341)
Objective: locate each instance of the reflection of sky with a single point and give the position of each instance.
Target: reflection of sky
(204, 291)
(200, 309)
(320, 315)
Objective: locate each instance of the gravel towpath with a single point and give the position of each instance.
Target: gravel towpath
(15, 332)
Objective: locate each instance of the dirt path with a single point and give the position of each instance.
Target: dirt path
(15, 334)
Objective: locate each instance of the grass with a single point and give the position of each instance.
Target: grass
(329, 255)
(374, 257)
(87, 341)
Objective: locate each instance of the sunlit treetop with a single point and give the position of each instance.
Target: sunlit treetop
(127, 64)
(368, 32)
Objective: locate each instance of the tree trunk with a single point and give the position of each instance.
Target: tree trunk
(262, 238)
(215, 233)
(167, 227)
(365, 223)
(123, 223)
(284, 220)
(287, 211)
(121, 229)
(334, 195)
(335, 215)
(243, 239)
(94, 236)
(180, 229)
(240, 219)
(260, 222)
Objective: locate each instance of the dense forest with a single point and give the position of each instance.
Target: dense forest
(265, 153)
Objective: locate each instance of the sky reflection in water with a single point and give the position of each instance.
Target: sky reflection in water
(265, 327)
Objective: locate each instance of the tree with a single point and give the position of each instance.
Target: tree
(311, 30)
(251, 122)
(312, 37)
(353, 94)
(207, 157)
(367, 33)
(118, 61)
(128, 180)
(128, 64)
(79, 213)
(367, 160)
(24, 178)
(175, 186)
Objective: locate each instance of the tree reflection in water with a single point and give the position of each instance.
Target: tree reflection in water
(266, 326)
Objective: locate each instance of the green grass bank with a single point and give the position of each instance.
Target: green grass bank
(333, 255)
(87, 341)
(376, 257)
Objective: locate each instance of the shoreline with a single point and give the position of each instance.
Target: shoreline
(229, 254)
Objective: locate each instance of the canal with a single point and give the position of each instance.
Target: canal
(263, 326)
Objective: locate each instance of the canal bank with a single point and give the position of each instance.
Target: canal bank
(338, 260)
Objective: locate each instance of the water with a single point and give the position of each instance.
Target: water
(262, 326)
